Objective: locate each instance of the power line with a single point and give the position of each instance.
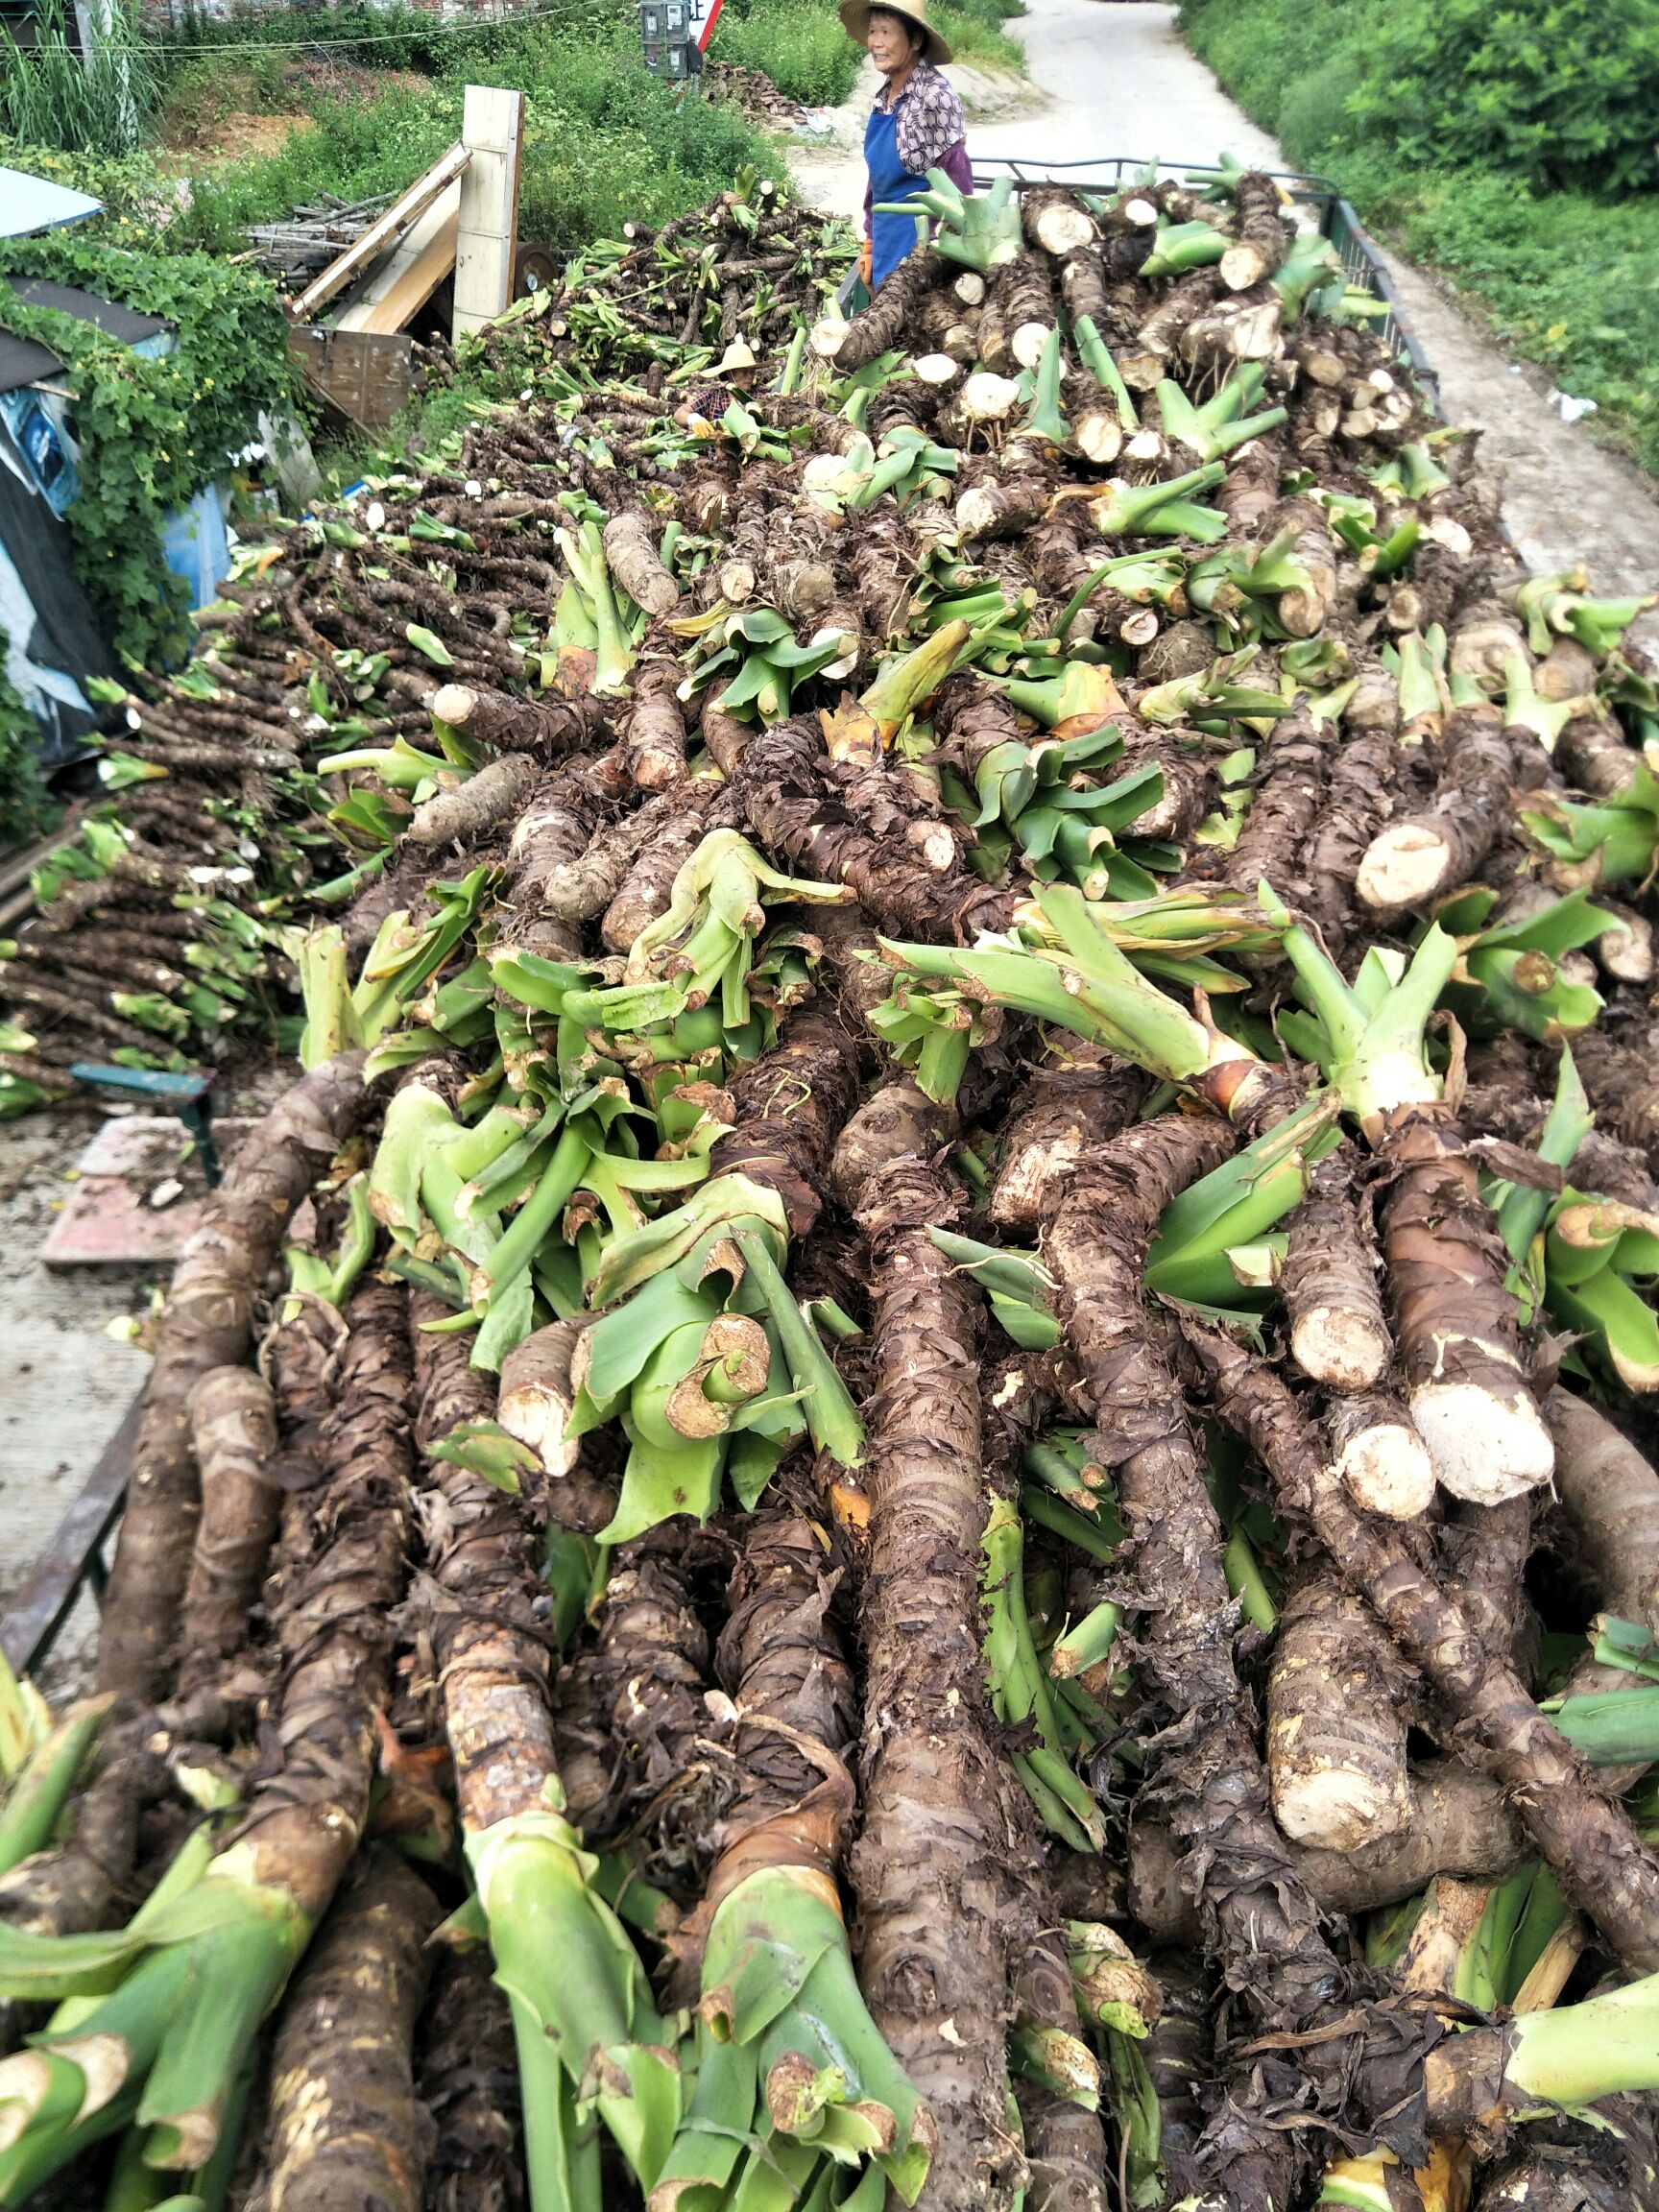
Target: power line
(187, 50)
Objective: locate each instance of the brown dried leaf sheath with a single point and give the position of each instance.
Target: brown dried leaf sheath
(799, 817)
(940, 1828)
(346, 2128)
(490, 1645)
(207, 1324)
(1602, 1863)
(342, 1574)
(673, 1775)
(233, 1432)
(789, 1105)
(469, 2078)
(781, 1658)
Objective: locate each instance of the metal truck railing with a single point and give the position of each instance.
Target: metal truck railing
(1316, 197)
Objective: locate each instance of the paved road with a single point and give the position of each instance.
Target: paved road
(1113, 77)
(1119, 80)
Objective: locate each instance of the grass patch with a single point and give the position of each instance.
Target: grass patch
(1486, 175)
(808, 55)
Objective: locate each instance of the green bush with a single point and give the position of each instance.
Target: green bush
(1562, 93)
(800, 44)
(1414, 114)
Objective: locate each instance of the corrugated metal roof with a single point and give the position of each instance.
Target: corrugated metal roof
(30, 203)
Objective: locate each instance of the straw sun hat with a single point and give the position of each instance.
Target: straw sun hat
(856, 15)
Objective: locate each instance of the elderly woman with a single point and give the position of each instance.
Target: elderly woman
(917, 124)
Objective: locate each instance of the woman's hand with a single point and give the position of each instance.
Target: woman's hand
(867, 261)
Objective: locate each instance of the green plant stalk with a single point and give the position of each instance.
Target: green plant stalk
(1020, 1688)
(1522, 1213)
(577, 1988)
(1139, 2119)
(1578, 2054)
(38, 1793)
(1046, 419)
(1087, 1643)
(1606, 1311)
(1247, 1583)
(532, 1223)
(778, 1978)
(1097, 357)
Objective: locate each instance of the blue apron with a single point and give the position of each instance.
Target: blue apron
(892, 236)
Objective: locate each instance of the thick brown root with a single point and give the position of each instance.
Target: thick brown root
(1420, 855)
(233, 1434)
(1600, 1860)
(345, 2126)
(931, 1867)
(1456, 1325)
(1057, 1114)
(207, 1323)
(1335, 1724)
(1338, 1334)
(1459, 1824)
(1378, 1456)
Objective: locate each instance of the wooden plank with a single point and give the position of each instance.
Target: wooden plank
(48, 1590)
(367, 375)
(382, 232)
(398, 287)
(493, 130)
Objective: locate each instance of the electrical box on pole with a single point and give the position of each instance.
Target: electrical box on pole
(675, 34)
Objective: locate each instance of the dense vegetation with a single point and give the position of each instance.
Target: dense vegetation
(1513, 147)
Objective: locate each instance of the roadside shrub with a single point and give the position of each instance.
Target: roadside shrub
(1563, 93)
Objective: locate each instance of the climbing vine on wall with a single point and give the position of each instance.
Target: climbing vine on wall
(152, 431)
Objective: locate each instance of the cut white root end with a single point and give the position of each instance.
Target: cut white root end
(990, 398)
(1345, 1350)
(826, 337)
(976, 512)
(1027, 342)
(1242, 265)
(1403, 866)
(455, 704)
(1061, 229)
(1484, 1449)
(1098, 437)
(1338, 1808)
(1387, 1470)
(936, 369)
(968, 288)
(538, 1416)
